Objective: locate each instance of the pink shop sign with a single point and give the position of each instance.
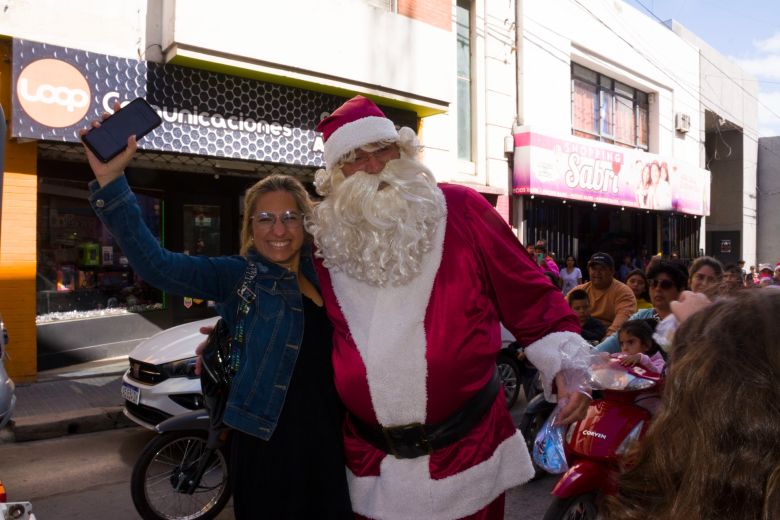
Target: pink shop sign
(580, 169)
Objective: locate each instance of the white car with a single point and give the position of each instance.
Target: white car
(161, 380)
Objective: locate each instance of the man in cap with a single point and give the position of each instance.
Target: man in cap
(611, 301)
(416, 277)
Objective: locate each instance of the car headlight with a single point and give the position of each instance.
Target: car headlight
(180, 368)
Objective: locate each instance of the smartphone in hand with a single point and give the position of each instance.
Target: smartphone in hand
(110, 139)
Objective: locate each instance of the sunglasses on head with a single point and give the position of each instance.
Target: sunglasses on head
(663, 284)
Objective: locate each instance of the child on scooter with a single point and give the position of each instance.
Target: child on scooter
(637, 346)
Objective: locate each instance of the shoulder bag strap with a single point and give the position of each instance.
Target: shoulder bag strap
(246, 296)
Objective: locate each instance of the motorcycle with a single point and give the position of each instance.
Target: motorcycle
(595, 444)
(534, 416)
(9, 510)
(517, 374)
(182, 473)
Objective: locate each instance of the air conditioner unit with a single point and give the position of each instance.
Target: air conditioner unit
(682, 122)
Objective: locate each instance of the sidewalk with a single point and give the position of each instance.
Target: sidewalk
(75, 399)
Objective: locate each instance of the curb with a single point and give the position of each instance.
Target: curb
(54, 425)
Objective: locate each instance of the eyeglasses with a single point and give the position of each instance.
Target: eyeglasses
(363, 157)
(663, 284)
(267, 220)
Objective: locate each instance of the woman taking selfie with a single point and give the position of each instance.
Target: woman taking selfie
(286, 458)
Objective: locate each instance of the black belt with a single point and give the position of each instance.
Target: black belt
(417, 439)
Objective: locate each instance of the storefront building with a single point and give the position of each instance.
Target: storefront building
(581, 196)
(240, 94)
(216, 121)
(611, 146)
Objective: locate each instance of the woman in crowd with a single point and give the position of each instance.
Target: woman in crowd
(286, 457)
(571, 276)
(637, 282)
(712, 452)
(667, 281)
(705, 274)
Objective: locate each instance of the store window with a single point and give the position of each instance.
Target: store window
(81, 271)
(607, 110)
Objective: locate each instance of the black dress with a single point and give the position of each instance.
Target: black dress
(299, 473)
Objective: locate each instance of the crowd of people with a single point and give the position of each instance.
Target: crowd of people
(721, 354)
(614, 294)
(366, 329)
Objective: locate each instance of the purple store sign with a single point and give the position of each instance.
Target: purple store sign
(580, 169)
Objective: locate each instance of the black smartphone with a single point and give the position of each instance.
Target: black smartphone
(110, 139)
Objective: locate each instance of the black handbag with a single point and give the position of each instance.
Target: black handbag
(220, 358)
(216, 376)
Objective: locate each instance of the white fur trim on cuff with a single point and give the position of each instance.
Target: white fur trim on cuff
(351, 136)
(557, 351)
(405, 490)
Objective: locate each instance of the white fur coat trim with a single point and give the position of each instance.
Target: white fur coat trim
(405, 490)
(387, 325)
(558, 351)
(355, 134)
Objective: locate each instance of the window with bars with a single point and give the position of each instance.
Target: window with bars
(607, 110)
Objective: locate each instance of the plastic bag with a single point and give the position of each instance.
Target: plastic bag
(664, 332)
(548, 451)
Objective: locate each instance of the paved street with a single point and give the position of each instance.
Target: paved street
(87, 476)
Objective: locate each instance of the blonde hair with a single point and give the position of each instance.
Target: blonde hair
(271, 184)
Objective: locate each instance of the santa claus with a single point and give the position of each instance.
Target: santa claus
(416, 278)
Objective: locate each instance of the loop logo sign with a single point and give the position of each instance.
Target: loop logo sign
(53, 92)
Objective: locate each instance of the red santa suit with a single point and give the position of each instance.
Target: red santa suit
(416, 353)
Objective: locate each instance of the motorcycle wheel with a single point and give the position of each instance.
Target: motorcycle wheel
(578, 507)
(161, 470)
(529, 426)
(509, 374)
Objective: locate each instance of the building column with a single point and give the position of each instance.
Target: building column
(18, 240)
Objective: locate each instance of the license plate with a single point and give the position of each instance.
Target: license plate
(131, 393)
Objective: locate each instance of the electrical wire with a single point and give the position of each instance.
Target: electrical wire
(738, 84)
(682, 83)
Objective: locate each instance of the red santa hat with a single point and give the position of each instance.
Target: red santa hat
(356, 123)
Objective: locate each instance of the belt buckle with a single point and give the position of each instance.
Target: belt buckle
(411, 436)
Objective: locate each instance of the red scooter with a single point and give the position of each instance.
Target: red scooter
(595, 444)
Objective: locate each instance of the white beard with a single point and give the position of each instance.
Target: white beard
(377, 228)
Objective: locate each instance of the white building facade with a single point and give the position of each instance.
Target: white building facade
(565, 114)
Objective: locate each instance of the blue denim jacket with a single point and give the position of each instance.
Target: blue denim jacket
(273, 326)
